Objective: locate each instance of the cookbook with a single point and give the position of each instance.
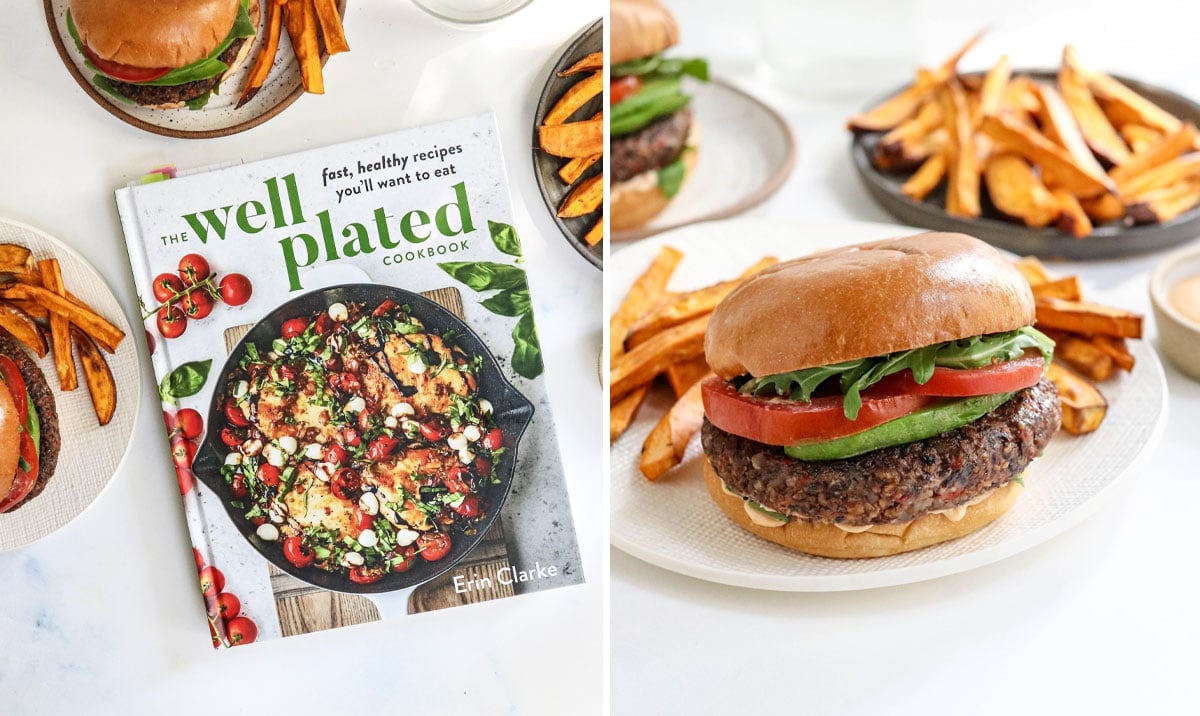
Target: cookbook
(351, 381)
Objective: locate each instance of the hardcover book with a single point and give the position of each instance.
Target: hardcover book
(352, 381)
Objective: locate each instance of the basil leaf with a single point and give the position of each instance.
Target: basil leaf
(657, 98)
(505, 238)
(508, 303)
(695, 67)
(185, 381)
(640, 66)
(670, 177)
(527, 352)
(486, 275)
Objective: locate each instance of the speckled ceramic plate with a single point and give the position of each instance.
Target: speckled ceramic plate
(220, 118)
(674, 524)
(1106, 241)
(90, 453)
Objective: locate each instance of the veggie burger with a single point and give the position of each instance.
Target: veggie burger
(877, 398)
(654, 139)
(29, 438)
(163, 54)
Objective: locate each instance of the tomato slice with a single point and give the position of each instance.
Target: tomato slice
(1004, 377)
(779, 421)
(25, 479)
(124, 73)
(11, 375)
(622, 88)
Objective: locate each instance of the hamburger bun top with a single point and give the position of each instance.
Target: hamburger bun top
(866, 300)
(640, 28)
(153, 33)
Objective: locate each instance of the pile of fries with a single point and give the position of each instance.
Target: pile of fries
(302, 18)
(655, 333)
(581, 142)
(1090, 343)
(1085, 152)
(35, 305)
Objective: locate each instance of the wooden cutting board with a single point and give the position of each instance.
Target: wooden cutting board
(303, 608)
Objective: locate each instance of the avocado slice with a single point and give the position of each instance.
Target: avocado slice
(925, 423)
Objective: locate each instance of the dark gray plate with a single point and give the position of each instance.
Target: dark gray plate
(546, 166)
(1106, 241)
(513, 411)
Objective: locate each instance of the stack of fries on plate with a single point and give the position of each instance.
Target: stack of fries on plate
(582, 142)
(1040, 150)
(302, 18)
(657, 332)
(34, 303)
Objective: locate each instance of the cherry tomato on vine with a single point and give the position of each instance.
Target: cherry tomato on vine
(228, 605)
(241, 631)
(235, 289)
(189, 423)
(183, 452)
(167, 287)
(193, 269)
(172, 321)
(197, 304)
(212, 581)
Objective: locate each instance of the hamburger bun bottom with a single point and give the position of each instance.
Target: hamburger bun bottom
(638, 200)
(826, 540)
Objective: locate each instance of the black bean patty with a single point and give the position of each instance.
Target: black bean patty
(895, 484)
(154, 95)
(43, 401)
(652, 147)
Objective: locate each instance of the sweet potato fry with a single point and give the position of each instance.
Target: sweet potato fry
(1083, 407)
(595, 234)
(22, 327)
(572, 170)
(1129, 106)
(927, 119)
(1179, 170)
(646, 293)
(33, 309)
(926, 178)
(1116, 349)
(578, 95)
(1021, 102)
(1017, 191)
(1057, 165)
(687, 306)
(99, 377)
(622, 413)
(1088, 318)
(1103, 208)
(641, 364)
(1100, 134)
(590, 63)
(685, 374)
(1060, 125)
(1085, 357)
(1071, 216)
(300, 19)
(962, 166)
(266, 54)
(573, 139)
(15, 259)
(1066, 288)
(60, 335)
(910, 152)
(1170, 147)
(666, 444)
(1164, 204)
(331, 26)
(1140, 137)
(991, 95)
(1034, 271)
(584, 198)
(104, 332)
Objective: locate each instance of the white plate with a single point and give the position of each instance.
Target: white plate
(674, 524)
(90, 453)
(220, 118)
(746, 153)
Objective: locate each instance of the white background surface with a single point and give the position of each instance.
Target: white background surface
(104, 616)
(1102, 619)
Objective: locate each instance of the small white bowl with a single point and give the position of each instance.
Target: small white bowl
(471, 14)
(1178, 336)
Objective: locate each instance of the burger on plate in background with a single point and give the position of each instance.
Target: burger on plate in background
(877, 398)
(654, 138)
(29, 437)
(163, 54)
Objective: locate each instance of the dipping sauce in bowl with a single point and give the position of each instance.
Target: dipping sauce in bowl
(1184, 296)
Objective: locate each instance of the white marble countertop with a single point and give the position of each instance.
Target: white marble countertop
(1098, 620)
(104, 616)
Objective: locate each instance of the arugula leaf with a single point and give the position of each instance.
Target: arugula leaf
(660, 66)
(670, 177)
(657, 98)
(857, 375)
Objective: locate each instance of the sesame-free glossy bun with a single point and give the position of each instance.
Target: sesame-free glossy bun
(640, 28)
(154, 33)
(827, 540)
(866, 300)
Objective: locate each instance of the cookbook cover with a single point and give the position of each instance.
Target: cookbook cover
(352, 382)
